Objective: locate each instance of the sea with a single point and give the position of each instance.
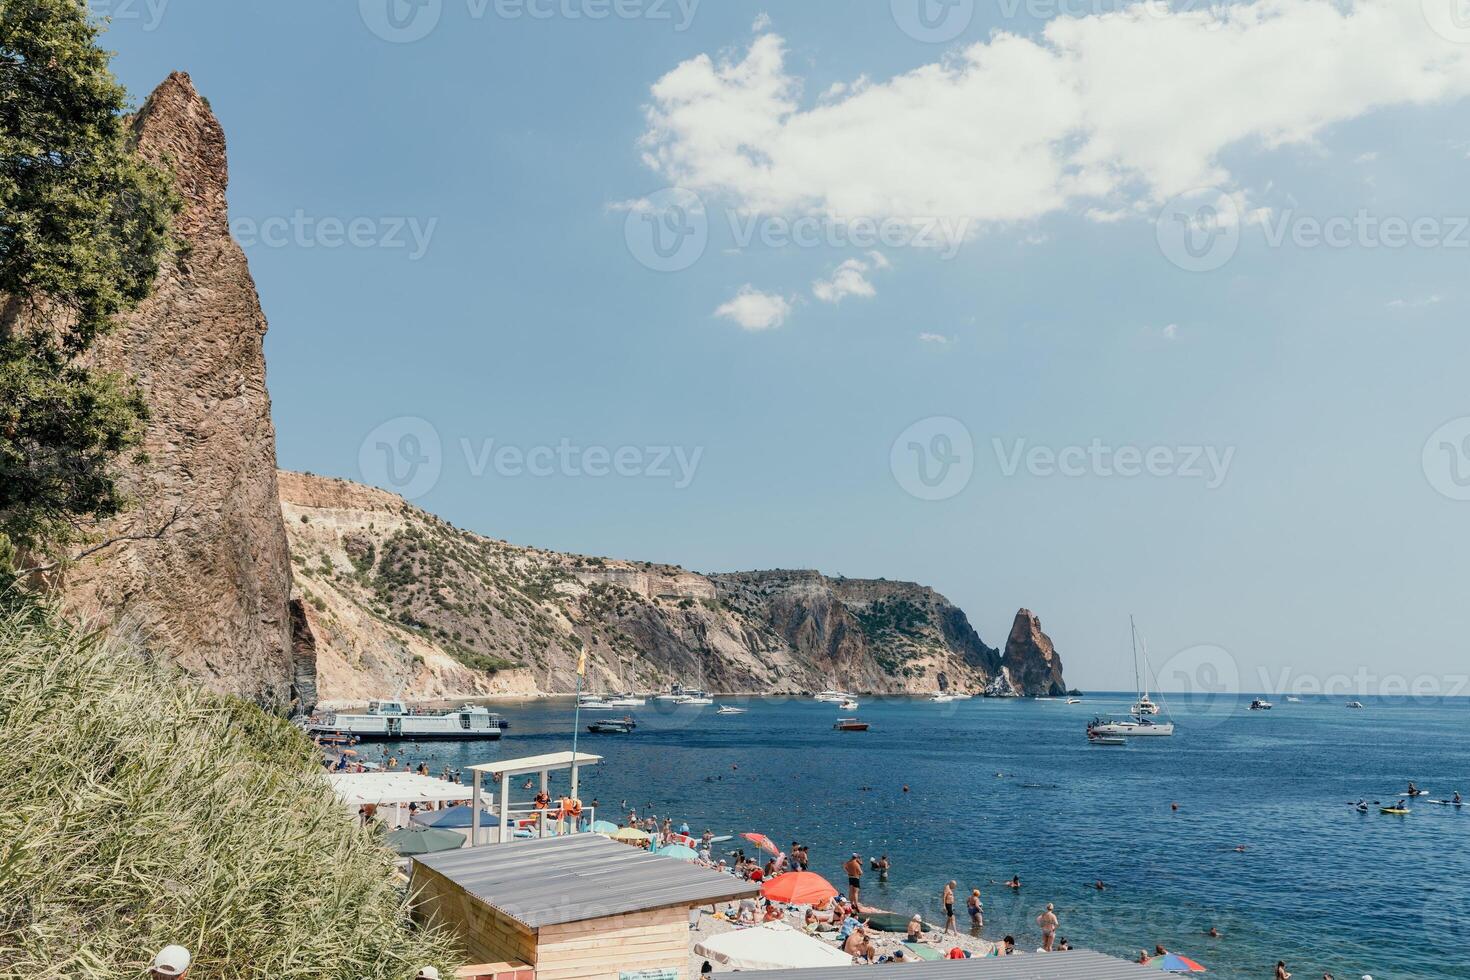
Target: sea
(1264, 845)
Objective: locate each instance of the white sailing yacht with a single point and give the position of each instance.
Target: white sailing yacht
(1141, 723)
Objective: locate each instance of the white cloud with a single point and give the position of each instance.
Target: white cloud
(1171, 331)
(1414, 304)
(850, 279)
(934, 338)
(754, 310)
(1110, 112)
(762, 22)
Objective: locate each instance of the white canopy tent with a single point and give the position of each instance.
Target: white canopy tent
(771, 946)
(395, 789)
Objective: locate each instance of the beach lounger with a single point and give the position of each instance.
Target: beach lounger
(922, 952)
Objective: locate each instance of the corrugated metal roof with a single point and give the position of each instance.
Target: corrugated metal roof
(1077, 964)
(579, 877)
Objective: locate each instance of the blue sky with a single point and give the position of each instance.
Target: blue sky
(527, 153)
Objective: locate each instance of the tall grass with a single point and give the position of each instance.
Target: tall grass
(137, 810)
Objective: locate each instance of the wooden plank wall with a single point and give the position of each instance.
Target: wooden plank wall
(486, 935)
(600, 948)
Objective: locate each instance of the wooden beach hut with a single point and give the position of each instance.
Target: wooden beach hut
(578, 907)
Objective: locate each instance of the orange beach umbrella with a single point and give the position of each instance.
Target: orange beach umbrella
(763, 842)
(799, 888)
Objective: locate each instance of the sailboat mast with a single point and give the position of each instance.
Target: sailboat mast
(1133, 633)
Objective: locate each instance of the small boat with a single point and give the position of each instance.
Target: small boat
(1293, 700)
(1093, 738)
(1260, 705)
(613, 726)
(943, 698)
(850, 725)
(1355, 704)
(1074, 700)
(727, 709)
(848, 705)
(833, 696)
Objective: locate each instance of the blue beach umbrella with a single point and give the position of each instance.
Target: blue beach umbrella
(603, 827)
(678, 852)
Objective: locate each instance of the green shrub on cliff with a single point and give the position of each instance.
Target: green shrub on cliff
(137, 811)
(83, 225)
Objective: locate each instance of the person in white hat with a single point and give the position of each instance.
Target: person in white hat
(428, 973)
(171, 963)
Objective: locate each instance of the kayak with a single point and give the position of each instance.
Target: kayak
(1445, 803)
(892, 922)
(1392, 809)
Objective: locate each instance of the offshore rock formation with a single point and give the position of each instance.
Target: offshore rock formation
(1032, 666)
(401, 602)
(211, 594)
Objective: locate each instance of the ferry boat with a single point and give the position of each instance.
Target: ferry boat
(389, 721)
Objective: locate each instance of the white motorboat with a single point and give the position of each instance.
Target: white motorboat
(849, 705)
(943, 698)
(388, 721)
(832, 696)
(1074, 700)
(1293, 700)
(728, 709)
(1260, 704)
(678, 694)
(697, 700)
(1355, 704)
(1145, 705)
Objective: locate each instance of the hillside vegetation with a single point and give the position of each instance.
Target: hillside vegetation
(137, 810)
(402, 602)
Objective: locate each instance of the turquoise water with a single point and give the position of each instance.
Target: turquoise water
(1319, 885)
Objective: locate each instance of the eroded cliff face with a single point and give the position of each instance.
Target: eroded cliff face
(401, 602)
(1031, 663)
(211, 594)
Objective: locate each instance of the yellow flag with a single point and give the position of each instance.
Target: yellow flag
(582, 664)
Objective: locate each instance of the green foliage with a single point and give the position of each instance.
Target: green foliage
(83, 225)
(142, 811)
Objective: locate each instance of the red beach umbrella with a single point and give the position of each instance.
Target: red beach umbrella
(799, 888)
(763, 842)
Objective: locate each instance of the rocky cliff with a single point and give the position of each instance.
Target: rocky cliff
(212, 593)
(401, 602)
(1030, 663)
